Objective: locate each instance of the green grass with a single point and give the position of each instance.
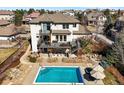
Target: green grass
(5, 53)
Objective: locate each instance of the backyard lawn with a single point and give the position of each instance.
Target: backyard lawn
(5, 53)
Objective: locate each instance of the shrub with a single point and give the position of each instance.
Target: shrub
(52, 59)
(32, 59)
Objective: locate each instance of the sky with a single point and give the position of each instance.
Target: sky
(60, 8)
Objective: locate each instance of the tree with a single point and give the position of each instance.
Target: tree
(18, 17)
(79, 16)
(42, 11)
(119, 12)
(31, 10)
(107, 12)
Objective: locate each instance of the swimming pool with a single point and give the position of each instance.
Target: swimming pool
(59, 75)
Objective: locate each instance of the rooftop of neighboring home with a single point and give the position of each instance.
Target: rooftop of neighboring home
(8, 31)
(6, 12)
(55, 18)
(70, 11)
(121, 18)
(4, 23)
(31, 16)
(94, 15)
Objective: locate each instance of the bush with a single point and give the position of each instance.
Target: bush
(32, 59)
(52, 60)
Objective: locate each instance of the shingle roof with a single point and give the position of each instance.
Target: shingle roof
(82, 31)
(61, 32)
(5, 12)
(55, 18)
(94, 15)
(8, 31)
(4, 22)
(33, 15)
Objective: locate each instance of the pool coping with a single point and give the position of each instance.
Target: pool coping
(53, 83)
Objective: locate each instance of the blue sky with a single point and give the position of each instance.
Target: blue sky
(59, 8)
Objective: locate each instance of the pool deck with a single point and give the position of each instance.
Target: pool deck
(32, 75)
(43, 62)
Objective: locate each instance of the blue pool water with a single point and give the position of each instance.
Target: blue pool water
(59, 75)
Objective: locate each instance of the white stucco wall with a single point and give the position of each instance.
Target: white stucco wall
(6, 38)
(60, 27)
(35, 28)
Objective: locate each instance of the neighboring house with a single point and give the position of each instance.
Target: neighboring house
(4, 23)
(50, 28)
(69, 12)
(96, 18)
(8, 33)
(6, 15)
(27, 18)
(113, 11)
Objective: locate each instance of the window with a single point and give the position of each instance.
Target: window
(37, 36)
(57, 37)
(65, 38)
(60, 37)
(74, 25)
(48, 26)
(65, 26)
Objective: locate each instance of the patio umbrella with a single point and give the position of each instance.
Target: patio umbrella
(67, 51)
(73, 56)
(97, 74)
(98, 68)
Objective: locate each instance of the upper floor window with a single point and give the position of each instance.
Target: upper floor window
(65, 26)
(74, 25)
(48, 26)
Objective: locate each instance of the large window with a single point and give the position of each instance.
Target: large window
(65, 38)
(57, 38)
(60, 37)
(48, 26)
(65, 26)
(74, 25)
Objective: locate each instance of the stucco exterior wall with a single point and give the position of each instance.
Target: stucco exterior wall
(6, 17)
(35, 29)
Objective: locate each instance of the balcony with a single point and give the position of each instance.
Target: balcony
(54, 45)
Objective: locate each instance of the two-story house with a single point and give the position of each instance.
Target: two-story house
(96, 18)
(51, 28)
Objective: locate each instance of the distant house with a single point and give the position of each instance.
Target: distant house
(27, 18)
(8, 33)
(51, 30)
(6, 15)
(119, 24)
(69, 12)
(96, 18)
(113, 11)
